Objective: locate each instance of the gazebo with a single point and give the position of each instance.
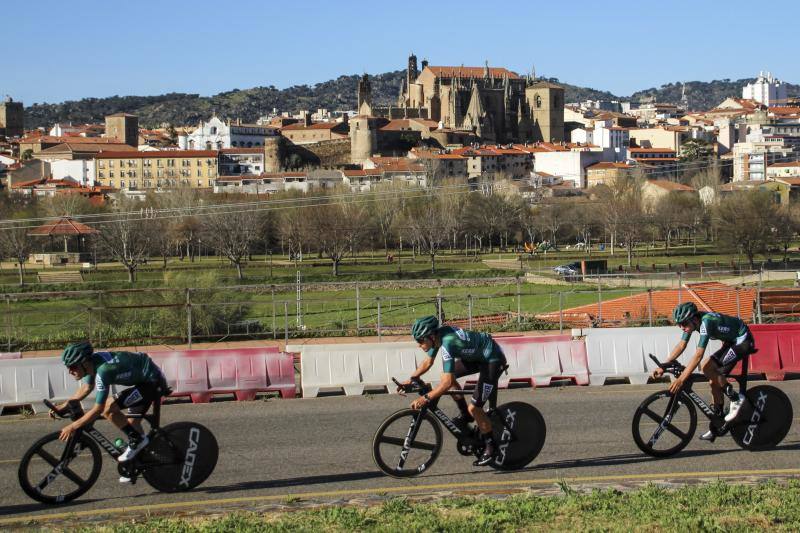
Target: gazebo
(64, 227)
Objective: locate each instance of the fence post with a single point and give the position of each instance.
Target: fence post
(285, 323)
(438, 302)
(189, 316)
(358, 309)
(299, 302)
(599, 302)
(758, 298)
(378, 300)
(99, 319)
(680, 287)
(519, 302)
(738, 309)
(469, 310)
(274, 332)
(650, 305)
(8, 321)
(560, 312)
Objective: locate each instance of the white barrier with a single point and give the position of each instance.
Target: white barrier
(622, 352)
(354, 367)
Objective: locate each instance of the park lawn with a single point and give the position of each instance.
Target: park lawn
(716, 506)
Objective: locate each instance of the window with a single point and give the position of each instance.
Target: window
(170, 162)
(210, 183)
(199, 183)
(111, 164)
(199, 172)
(122, 184)
(158, 163)
(110, 173)
(101, 164)
(100, 174)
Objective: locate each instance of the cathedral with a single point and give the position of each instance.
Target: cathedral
(495, 104)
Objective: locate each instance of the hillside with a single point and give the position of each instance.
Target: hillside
(340, 93)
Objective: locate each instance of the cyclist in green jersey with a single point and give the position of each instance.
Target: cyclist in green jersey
(737, 342)
(463, 353)
(98, 371)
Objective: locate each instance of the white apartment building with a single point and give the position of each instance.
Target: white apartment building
(751, 158)
(571, 165)
(79, 170)
(217, 134)
(766, 90)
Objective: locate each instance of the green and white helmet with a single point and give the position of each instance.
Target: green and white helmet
(684, 312)
(76, 352)
(424, 326)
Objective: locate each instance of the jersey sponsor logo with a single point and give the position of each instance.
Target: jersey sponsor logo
(446, 355)
(98, 383)
(487, 391)
(761, 403)
(106, 356)
(703, 329)
(132, 398)
(729, 356)
(124, 375)
(461, 334)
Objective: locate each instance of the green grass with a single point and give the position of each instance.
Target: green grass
(712, 507)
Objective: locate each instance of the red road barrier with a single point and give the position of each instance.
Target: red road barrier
(244, 372)
(778, 350)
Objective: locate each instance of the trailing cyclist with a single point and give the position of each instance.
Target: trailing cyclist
(737, 343)
(98, 371)
(463, 353)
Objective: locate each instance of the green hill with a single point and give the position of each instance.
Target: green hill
(340, 93)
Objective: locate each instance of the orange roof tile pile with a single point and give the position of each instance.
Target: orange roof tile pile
(710, 296)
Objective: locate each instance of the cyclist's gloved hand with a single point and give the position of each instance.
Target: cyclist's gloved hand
(402, 387)
(658, 372)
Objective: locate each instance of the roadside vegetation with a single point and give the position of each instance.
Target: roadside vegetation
(717, 506)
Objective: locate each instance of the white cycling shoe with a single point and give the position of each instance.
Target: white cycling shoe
(125, 480)
(735, 406)
(133, 449)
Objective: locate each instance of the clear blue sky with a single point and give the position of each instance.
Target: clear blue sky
(56, 51)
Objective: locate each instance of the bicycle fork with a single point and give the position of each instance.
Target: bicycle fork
(413, 429)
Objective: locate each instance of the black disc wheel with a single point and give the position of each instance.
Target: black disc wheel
(661, 427)
(519, 431)
(764, 419)
(179, 457)
(407, 443)
(53, 471)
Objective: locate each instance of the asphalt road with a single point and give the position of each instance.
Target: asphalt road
(319, 449)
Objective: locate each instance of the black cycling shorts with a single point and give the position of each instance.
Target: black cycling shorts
(488, 375)
(138, 399)
(730, 354)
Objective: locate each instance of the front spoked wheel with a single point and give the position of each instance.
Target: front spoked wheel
(407, 443)
(661, 427)
(53, 472)
(520, 432)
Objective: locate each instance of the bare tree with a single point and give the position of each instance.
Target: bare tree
(128, 237)
(336, 228)
(428, 224)
(233, 232)
(15, 243)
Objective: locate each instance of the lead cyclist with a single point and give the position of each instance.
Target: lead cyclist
(463, 353)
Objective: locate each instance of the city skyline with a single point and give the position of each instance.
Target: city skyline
(150, 52)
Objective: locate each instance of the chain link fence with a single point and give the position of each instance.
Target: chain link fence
(48, 320)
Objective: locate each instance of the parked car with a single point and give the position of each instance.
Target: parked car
(568, 270)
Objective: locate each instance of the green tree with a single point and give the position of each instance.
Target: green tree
(745, 222)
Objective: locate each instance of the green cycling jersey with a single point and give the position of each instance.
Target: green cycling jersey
(728, 329)
(120, 368)
(469, 346)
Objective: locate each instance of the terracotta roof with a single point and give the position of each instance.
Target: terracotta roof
(791, 180)
(711, 296)
(63, 226)
(65, 139)
(253, 150)
(314, 126)
(789, 164)
(70, 146)
(364, 172)
(609, 164)
(471, 72)
(670, 185)
(652, 150)
(175, 154)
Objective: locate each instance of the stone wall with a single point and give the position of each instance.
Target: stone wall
(324, 154)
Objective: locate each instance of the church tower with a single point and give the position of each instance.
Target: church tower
(411, 74)
(364, 96)
(546, 102)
